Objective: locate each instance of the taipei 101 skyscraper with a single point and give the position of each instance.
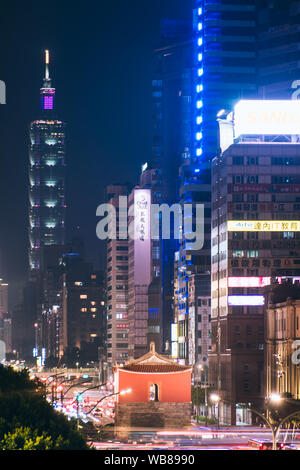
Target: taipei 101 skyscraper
(47, 206)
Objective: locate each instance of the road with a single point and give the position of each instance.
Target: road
(195, 439)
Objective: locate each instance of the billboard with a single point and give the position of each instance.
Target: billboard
(142, 235)
(249, 281)
(174, 332)
(246, 300)
(267, 117)
(263, 226)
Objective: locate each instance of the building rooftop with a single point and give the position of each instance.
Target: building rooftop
(154, 363)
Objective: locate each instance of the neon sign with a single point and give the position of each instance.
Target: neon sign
(246, 300)
(249, 281)
(267, 117)
(263, 226)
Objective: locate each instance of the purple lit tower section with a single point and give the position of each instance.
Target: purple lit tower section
(47, 206)
(47, 92)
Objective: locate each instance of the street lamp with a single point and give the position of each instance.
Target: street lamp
(275, 398)
(215, 398)
(273, 425)
(200, 368)
(206, 391)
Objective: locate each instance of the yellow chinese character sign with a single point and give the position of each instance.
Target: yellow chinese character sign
(263, 226)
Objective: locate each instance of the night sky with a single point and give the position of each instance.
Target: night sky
(101, 67)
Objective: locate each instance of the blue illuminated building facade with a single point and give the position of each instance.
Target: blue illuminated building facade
(225, 54)
(224, 72)
(47, 205)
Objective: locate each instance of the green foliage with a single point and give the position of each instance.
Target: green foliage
(24, 413)
(26, 439)
(198, 395)
(208, 420)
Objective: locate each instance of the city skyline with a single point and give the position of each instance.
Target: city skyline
(150, 238)
(91, 132)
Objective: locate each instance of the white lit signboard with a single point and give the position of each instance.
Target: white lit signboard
(246, 300)
(174, 332)
(174, 350)
(263, 226)
(267, 117)
(249, 281)
(142, 235)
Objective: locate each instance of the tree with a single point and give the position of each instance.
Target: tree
(23, 406)
(198, 395)
(12, 381)
(26, 439)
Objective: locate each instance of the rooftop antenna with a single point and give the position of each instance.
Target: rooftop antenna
(47, 61)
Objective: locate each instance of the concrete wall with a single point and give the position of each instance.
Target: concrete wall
(153, 414)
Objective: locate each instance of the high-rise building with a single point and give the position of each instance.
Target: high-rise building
(83, 326)
(5, 319)
(278, 44)
(48, 324)
(193, 267)
(117, 284)
(3, 297)
(150, 179)
(225, 54)
(172, 136)
(47, 204)
(224, 66)
(50, 315)
(199, 333)
(255, 237)
(133, 270)
(72, 316)
(145, 312)
(172, 104)
(47, 212)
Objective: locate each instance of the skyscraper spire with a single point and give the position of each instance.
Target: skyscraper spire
(47, 61)
(47, 92)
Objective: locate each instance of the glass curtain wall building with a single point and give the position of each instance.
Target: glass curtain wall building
(47, 205)
(278, 49)
(225, 71)
(172, 138)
